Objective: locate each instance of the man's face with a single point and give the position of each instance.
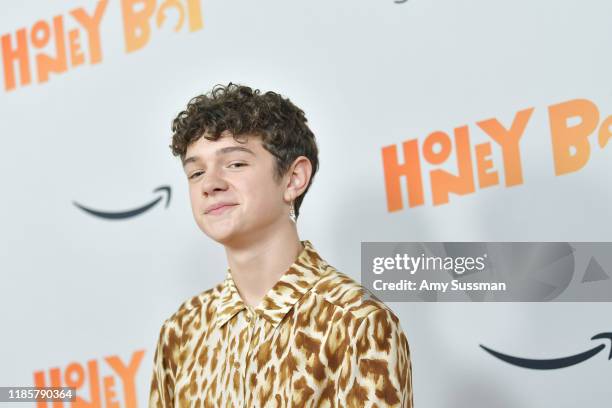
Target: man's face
(239, 175)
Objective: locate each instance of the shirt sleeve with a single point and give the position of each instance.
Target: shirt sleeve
(379, 360)
(164, 367)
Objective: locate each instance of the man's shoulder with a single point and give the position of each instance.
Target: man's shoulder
(344, 292)
(204, 301)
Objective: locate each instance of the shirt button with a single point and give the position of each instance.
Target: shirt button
(236, 364)
(248, 318)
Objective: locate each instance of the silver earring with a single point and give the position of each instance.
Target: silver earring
(292, 213)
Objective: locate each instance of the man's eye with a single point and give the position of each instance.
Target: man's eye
(194, 175)
(237, 164)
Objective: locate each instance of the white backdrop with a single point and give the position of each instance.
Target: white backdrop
(77, 289)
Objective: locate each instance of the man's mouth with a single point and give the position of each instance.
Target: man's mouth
(221, 210)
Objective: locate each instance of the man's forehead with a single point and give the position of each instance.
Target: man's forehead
(203, 147)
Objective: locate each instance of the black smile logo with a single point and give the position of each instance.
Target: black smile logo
(121, 215)
(551, 364)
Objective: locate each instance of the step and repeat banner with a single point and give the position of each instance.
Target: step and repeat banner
(439, 122)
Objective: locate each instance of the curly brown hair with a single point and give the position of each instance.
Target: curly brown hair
(242, 112)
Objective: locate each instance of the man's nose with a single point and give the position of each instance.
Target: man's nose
(213, 181)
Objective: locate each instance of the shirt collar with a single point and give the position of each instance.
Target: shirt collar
(307, 269)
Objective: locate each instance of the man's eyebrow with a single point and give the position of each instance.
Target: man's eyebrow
(224, 150)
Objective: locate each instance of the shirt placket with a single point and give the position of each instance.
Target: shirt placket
(251, 319)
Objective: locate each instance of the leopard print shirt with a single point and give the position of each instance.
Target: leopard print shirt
(317, 339)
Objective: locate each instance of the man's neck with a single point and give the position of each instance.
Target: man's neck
(256, 268)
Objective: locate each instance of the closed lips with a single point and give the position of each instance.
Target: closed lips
(218, 205)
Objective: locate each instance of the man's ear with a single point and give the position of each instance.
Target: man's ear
(298, 177)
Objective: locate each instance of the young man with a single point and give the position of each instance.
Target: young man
(285, 329)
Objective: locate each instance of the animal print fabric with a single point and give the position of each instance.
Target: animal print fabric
(317, 339)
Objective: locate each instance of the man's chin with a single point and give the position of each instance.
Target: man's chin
(223, 238)
(229, 236)
(234, 240)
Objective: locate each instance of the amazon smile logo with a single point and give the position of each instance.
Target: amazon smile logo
(166, 192)
(554, 363)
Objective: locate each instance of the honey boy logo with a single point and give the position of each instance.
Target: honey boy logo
(68, 41)
(573, 124)
(101, 390)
